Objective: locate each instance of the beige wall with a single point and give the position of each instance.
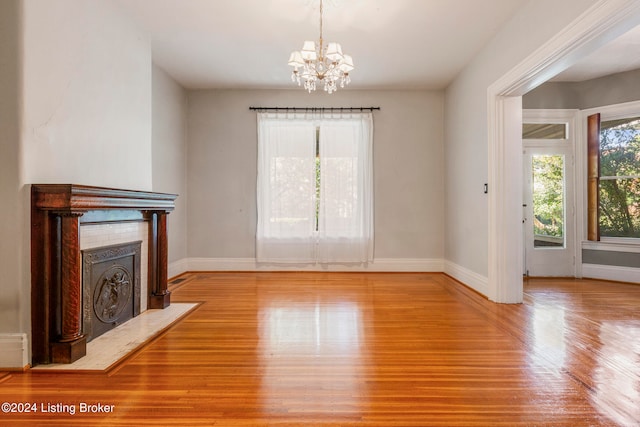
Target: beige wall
(86, 96)
(14, 297)
(169, 135)
(607, 90)
(408, 169)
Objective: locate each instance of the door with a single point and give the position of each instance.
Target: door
(548, 205)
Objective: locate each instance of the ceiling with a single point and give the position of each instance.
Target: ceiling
(617, 56)
(246, 43)
(395, 44)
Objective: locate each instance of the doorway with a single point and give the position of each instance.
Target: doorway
(548, 218)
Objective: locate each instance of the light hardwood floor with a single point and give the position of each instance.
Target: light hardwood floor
(365, 349)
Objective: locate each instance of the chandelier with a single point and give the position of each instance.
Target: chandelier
(321, 63)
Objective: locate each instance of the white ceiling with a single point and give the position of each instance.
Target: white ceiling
(621, 54)
(246, 43)
(395, 44)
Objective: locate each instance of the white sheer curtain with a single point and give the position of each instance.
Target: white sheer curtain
(286, 189)
(345, 232)
(306, 217)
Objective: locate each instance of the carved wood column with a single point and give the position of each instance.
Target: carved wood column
(159, 295)
(69, 343)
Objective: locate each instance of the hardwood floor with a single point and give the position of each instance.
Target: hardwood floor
(370, 349)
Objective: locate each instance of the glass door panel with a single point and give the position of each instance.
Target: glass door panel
(548, 200)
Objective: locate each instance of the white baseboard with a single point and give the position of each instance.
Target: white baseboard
(177, 268)
(15, 351)
(470, 278)
(378, 265)
(611, 272)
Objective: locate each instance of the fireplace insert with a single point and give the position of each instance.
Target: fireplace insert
(110, 287)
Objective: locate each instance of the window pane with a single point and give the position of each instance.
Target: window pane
(548, 200)
(340, 180)
(544, 131)
(620, 207)
(620, 147)
(291, 188)
(619, 189)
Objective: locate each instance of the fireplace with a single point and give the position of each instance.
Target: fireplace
(110, 287)
(64, 314)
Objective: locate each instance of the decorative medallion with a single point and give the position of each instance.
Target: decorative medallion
(112, 294)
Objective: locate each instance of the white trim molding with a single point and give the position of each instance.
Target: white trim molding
(611, 272)
(611, 246)
(422, 265)
(15, 351)
(505, 243)
(475, 281)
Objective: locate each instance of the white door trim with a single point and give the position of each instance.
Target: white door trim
(602, 22)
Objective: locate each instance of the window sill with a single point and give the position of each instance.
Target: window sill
(614, 245)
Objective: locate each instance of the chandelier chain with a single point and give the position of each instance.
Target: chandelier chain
(321, 41)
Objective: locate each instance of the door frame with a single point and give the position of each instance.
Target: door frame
(602, 22)
(570, 117)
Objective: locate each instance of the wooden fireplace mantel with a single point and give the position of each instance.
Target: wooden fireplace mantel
(56, 286)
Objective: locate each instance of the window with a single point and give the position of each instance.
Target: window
(315, 195)
(548, 196)
(614, 168)
(544, 131)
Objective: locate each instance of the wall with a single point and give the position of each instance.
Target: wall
(608, 90)
(408, 173)
(76, 90)
(87, 96)
(553, 95)
(169, 135)
(466, 142)
(14, 297)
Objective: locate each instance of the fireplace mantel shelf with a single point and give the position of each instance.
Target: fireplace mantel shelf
(56, 213)
(73, 197)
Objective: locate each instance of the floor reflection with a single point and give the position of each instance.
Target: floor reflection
(311, 350)
(332, 328)
(589, 332)
(617, 380)
(549, 327)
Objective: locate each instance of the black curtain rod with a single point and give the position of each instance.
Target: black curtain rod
(314, 108)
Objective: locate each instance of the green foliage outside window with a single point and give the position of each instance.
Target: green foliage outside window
(548, 195)
(620, 178)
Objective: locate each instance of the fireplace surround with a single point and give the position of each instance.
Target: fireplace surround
(57, 211)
